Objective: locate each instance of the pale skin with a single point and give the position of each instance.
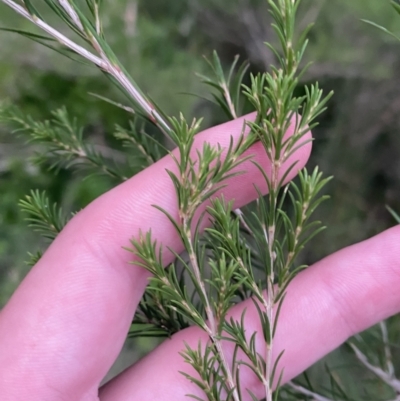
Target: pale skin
(64, 326)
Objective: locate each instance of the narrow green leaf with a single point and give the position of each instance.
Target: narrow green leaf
(383, 29)
(394, 214)
(396, 6)
(32, 9)
(43, 40)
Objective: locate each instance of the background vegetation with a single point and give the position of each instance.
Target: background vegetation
(162, 43)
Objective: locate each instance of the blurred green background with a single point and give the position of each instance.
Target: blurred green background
(162, 43)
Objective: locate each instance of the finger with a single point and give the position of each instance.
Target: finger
(66, 323)
(326, 304)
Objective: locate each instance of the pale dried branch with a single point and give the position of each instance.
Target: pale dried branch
(384, 376)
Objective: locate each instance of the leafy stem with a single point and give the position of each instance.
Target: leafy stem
(218, 267)
(106, 59)
(212, 323)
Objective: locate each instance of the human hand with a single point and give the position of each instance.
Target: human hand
(66, 323)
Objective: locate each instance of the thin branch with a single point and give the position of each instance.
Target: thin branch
(57, 35)
(72, 13)
(212, 330)
(388, 352)
(103, 63)
(307, 392)
(384, 376)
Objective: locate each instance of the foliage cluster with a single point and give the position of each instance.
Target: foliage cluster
(62, 138)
